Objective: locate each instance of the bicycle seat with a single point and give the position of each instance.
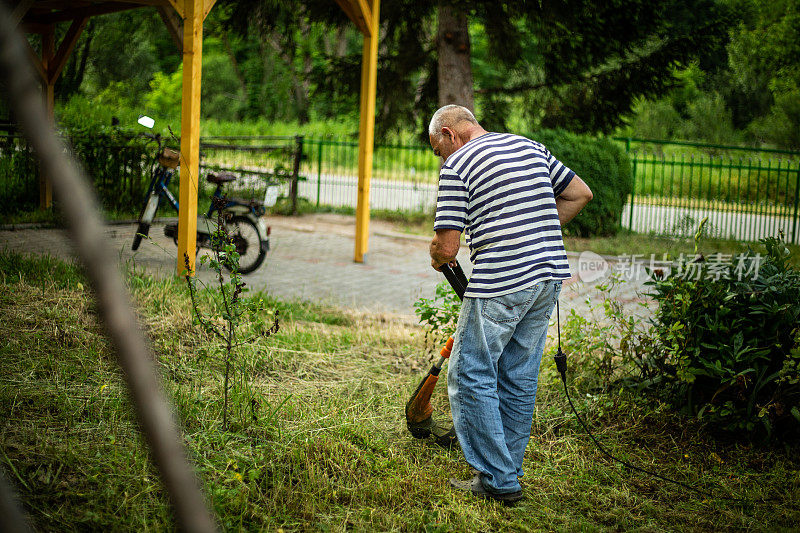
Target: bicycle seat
(221, 177)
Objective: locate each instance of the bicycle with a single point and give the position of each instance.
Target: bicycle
(242, 217)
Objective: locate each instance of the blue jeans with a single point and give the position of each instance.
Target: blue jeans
(492, 379)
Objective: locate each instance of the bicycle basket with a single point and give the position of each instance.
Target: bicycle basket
(169, 158)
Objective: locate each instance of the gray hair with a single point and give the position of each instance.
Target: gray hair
(448, 116)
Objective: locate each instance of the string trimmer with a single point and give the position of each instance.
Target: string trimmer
(419, 411)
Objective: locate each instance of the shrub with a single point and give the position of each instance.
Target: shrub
(117, 162)
(655, 120)
(605, 167)
(164, 99)
(709, 120)
(727, 342)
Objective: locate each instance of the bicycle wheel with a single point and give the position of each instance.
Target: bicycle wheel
(145, 219)
(247, 240)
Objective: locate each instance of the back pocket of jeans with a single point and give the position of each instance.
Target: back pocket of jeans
(509, 307)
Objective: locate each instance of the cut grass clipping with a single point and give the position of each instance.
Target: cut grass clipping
(322, 444)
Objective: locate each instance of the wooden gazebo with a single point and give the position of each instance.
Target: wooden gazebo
(184, 20)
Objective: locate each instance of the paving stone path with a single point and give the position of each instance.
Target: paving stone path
(312, 259)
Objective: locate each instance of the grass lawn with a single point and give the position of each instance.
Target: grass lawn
(317, 440)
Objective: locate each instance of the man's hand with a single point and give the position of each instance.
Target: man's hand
(444, 248)
(572, 199)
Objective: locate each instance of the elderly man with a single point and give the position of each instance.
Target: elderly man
(511, 197)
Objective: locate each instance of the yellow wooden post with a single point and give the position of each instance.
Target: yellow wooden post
(369, 75)
(193, 11)
(48, 94)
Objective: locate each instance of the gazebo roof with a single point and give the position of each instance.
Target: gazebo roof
(34, 14)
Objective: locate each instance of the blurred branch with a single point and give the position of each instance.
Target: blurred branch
(12, 519)
(81, 212)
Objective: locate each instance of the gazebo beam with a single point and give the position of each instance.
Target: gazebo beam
(36, 61)
(48, 94)
(365, 12)
(49, 66)
(356, 15)
(65, 49)
(366, 136)
(178, 5)
(174, 25)
(20, 9)
(208, 4)
(65, 15)
(194, 11)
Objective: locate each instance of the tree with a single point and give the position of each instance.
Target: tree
(764, 60)
(578, 64)
(748, 93)
(290, 36)
(72, 76)
(128, 48)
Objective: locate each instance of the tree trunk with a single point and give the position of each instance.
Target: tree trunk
(454, 68)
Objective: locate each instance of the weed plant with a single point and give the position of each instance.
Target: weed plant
(439, 315)
(224, 256)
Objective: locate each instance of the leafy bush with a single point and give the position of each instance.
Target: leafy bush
(782, 125)
(605, 167)
(655, 120)
(93, 114)
(117, 162)
(164, 99)
(710, 121)
(727, 343)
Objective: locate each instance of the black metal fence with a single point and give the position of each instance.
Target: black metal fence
(120, 168)
(266, 166)
(746, 193)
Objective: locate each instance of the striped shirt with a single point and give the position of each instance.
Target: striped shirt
(501, 189)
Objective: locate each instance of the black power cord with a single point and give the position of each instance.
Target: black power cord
(561, 366)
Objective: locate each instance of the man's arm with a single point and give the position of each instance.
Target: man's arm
(572, 199)
(444, 247)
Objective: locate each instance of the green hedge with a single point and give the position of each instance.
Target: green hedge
(605, 167)
(727, 342)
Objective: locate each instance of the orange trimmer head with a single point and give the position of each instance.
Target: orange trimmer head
(419, 411)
